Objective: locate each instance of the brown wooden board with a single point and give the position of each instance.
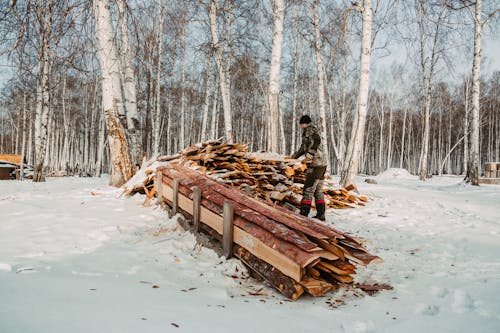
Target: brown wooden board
(283, 283)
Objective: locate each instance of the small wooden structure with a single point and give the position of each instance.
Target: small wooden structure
(293, 253)
(491, 173)
(8, 163)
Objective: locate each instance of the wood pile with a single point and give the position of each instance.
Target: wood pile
(291, 252)
(274, 180)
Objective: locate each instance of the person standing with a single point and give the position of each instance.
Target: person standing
(314, 152)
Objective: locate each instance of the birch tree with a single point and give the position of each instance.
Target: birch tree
(222, 78)
(121, 164)
(474, 159)
(129, 91)
(321, 79)
(156, 123)
(274, 75)
(44, 15)
(428, 66)
(354, 147)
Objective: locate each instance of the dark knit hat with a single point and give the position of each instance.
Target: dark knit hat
(305, 119)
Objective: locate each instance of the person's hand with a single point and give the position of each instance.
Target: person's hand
(309, 156)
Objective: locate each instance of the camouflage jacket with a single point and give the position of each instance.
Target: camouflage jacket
(311, 143)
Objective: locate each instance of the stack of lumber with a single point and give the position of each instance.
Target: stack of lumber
(272, 179)
(293, 253)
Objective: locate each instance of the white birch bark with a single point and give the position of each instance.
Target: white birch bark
(121, 164)
(474, 159)
(401, 159)
(341, 117)
(129, 95)
(274, 76)
(23, 144)
(427, 79)
(295, 77)
(389, 143)
(321, 81)
(215, 118)
(223, 80)
(43, 93)
(157, 109)
(206, 102)
(182, 135)
(356, 141)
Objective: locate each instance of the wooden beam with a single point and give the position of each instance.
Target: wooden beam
(283, 283)
(175, 196)
(228, 230)
(316, 286)
(196, 208)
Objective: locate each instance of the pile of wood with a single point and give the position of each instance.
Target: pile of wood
(291, 252)
(275, 180)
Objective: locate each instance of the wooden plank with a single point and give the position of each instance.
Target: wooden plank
(196, 208)
(317, 287)
(333, 248)
(335, 269)
(283, 283)
(490, 166)
(175, 196)
(361, 257)
(492, 181)
(283, 263)
(228, 229)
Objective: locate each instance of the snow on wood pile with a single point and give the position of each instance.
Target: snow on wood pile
(291, 252)
(271, 178)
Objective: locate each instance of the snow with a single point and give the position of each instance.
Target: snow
(77, 256)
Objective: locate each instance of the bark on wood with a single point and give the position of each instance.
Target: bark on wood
(284, 284)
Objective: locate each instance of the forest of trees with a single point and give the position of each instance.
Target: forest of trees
(95, 86)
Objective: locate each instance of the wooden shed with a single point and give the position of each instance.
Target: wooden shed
(8, 163)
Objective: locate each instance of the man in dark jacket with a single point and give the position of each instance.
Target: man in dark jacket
(314, 152)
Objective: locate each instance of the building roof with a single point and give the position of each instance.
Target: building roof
(7, 166)
(10, 158)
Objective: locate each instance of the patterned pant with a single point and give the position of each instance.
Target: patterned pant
(314, 185)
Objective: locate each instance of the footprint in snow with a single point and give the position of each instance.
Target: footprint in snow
(427, 309)
(439, 292)
(462, 302)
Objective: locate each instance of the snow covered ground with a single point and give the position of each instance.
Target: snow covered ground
(75, 256)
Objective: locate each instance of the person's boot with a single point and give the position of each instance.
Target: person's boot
(320, 210)
(305, 207)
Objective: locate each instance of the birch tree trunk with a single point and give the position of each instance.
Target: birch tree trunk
(23, 145)
(321, 81)
(401, 159)
(427, 78)
(43, 93)
(182, 135)
(356, 141)
(389, 144)
(129, 95)
(295, 77)
(122, 168)
(274, 76)
(223, 80)
(206, 101)
(474, 159)
(215, 117)
(157, 109)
